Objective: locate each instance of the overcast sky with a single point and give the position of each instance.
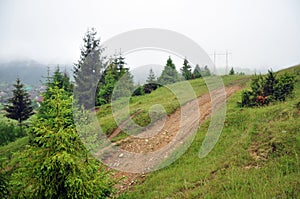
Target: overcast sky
(258, 33)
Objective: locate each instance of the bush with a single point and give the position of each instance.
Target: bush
(268, 89)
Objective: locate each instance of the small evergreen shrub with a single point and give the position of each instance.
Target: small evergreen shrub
(270, 88)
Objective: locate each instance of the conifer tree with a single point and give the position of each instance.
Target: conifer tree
(151, 77)
(270, 83)
(60, 80)
(115, 77)
(124, 87)
(197, 72)
(88, 70)
(56, 164)
(106, 89)
(20, 106)
(231, 72)
(169, 75)
(186, 70)
(151, 82)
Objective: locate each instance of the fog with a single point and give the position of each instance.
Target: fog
(258, 34)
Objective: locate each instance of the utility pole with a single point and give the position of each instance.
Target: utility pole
(222, 54)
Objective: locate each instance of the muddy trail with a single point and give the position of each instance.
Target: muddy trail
(157, 137)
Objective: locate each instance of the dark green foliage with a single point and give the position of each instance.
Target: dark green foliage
(106, 88)
(169, 75)
(20, 107)
(269, 84)
(138, 91)
(231, 72)
(56, 164)
(186, 70)
(197, 72)
(87, 71)
(284, 87)
(148, 88)
(268, 89)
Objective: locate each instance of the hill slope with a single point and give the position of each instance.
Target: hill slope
(257, 156)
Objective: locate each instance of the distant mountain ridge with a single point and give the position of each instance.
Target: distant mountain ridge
(29, 71)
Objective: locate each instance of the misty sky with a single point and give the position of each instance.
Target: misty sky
(263, 33)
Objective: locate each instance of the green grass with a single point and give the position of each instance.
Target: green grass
(257, 156)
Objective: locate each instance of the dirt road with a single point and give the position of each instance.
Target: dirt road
(169, 134)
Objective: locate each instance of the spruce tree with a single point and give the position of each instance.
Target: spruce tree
(186, 70)
(20, 106)
(56, 164)
(88, 70)
(169, 75)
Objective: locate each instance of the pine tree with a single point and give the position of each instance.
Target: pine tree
(169, 75)
(186, 70)
(56, 164)
(20, 107)
(197, 72)
(231, 72)
(88, 70)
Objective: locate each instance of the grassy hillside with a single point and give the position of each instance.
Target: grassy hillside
(257, 156)
(163, 96)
